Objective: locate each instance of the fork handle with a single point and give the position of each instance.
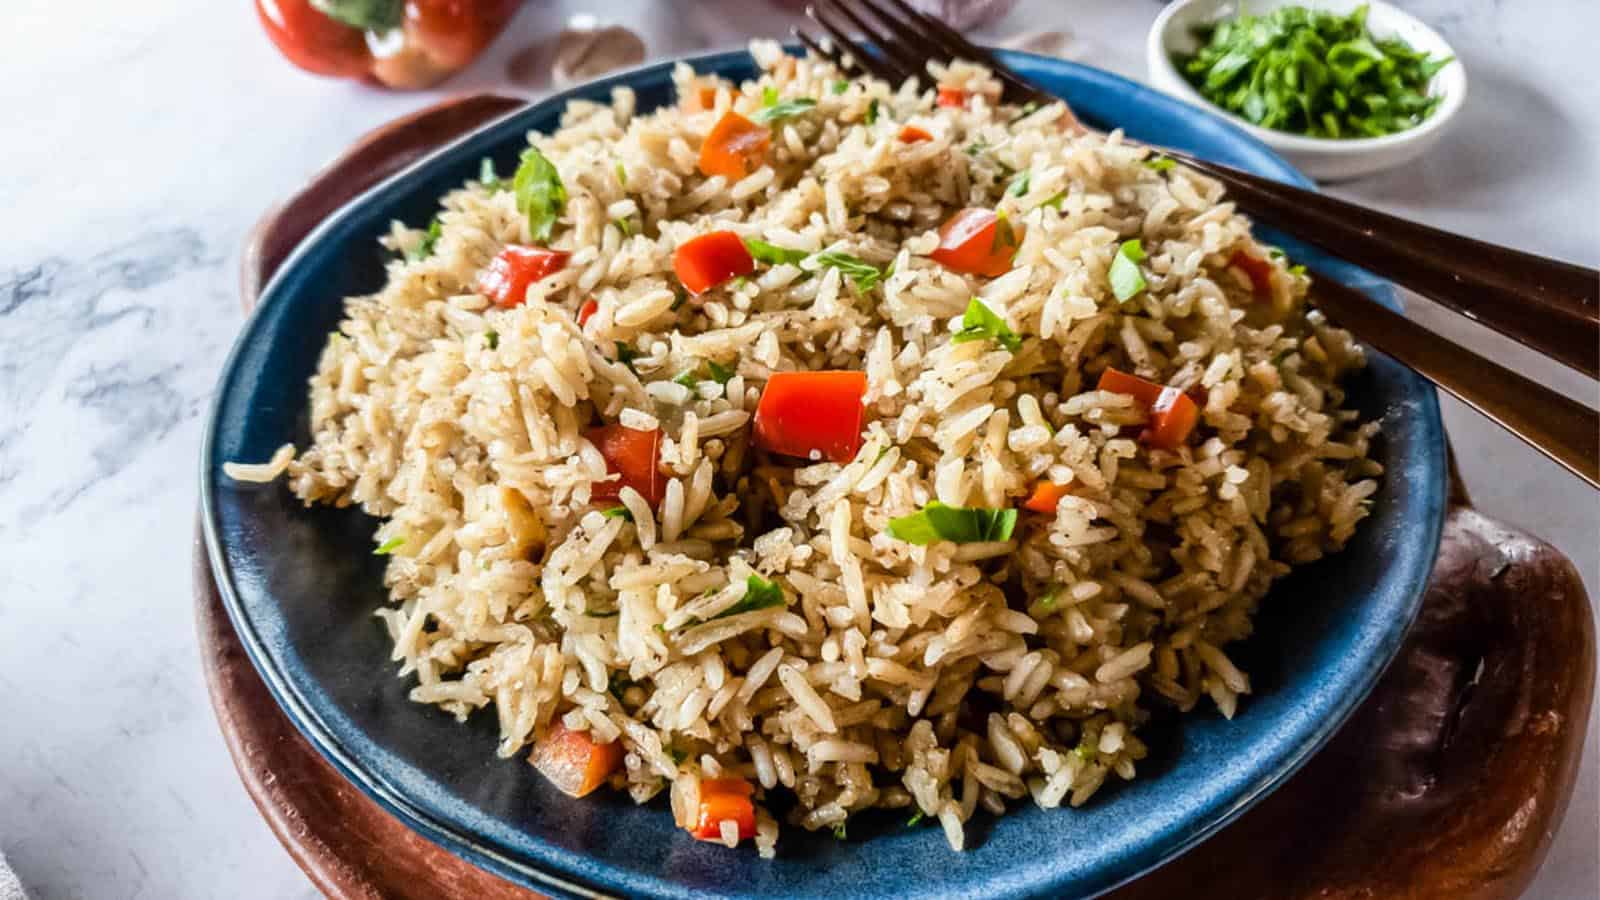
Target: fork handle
(1559, 427)
(1546, 304)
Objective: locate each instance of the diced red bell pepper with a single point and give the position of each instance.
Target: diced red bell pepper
(1173, 414)
(952, 97)
(1259, 270)
(587, 311)
(573, 761)
(505, 280)
(722, 800)
(910, 134)
(634, 455)
(735, 147)
(708, 260)
(812, 415)
(1045, 496)
(977, 242)
(1172, 419)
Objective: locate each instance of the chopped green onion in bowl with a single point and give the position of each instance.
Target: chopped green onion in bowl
(1313, 72)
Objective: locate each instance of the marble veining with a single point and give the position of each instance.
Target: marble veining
(142, 142)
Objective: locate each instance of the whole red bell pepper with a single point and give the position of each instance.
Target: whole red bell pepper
(397, 43)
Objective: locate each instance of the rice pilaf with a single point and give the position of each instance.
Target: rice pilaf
(736, 621)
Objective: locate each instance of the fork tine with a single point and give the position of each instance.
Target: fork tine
(891, 44)
(881, 66)
(955, 46)
(828, 53)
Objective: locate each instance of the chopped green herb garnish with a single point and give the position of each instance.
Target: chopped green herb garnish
(1019, 185)
(687, 378)
(982, 323)
(1054, 202)
(1160, 164)
(492, 338)
(367, 15)
(720, 373)
(540, 193)
(679, 297)
(1297, 269)
(738, 283)
(759, 593)
(1313, 72)
(678, 756)
(424, 248)
(618, 512)
(1126, 279)
(1085, 752)
(863, 274)
(488, 177)
(838, 831)
(872, 111)
(787, 109)
(769, 96)
(625, 226)
(916, 820)
(841, 86)
(1275, 253)
(622, 174)
(772, 254)
(627, 353)
(963, 525)
(389, 546)
(976, 147)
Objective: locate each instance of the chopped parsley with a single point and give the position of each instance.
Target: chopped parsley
(863, 274)
(389, 546)
(424, 248)
(720, 373)
(492, 338)
(622, 174)
(488, 177)
(688, 378)
(1019, 185)
(1126, 279)
(872, 111)
(618, 512)
(841, 86)
(772, 254)
(678, 756)
(624, 225)
(982, 323)
(759, 593)
(1160, 164)
(540, 194)
(962, 525)
(787, 109)
(916, 820)
(839, 831)
(1054, 202)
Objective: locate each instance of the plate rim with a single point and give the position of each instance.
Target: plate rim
(458, 837)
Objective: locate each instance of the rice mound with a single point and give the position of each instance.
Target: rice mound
(935, 679)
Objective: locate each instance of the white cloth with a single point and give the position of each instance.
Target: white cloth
(10, 887)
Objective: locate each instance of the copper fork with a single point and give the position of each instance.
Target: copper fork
(1549, 305)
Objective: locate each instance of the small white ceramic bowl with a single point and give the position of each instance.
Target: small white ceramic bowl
(1325, 159)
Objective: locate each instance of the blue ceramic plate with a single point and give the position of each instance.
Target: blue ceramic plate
(301, 585)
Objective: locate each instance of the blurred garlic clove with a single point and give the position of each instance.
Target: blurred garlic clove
(587, 49)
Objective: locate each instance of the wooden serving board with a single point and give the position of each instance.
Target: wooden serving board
(1448, 783)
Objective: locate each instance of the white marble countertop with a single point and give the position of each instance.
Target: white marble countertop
(141, 142)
